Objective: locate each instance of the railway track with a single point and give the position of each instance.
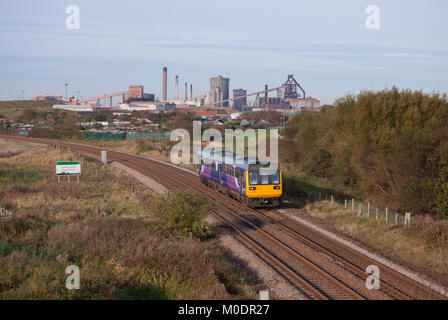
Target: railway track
(319, 266)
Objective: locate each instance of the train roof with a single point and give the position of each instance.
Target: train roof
(237, 160)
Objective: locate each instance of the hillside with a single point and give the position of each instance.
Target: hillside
(13, 109)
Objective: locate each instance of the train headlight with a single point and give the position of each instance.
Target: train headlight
(276, 187)
(252, 188)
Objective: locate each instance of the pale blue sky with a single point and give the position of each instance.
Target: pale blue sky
(323, 43)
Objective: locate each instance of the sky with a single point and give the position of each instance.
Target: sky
(324, 44)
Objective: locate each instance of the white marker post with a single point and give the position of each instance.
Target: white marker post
(104, 156)
(264, 294)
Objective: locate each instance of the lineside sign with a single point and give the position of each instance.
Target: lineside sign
(68, 168)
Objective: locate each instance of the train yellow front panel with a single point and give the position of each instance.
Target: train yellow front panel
(263, 191)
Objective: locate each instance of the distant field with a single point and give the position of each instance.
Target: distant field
(10, 110)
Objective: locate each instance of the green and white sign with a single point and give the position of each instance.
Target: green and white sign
(68, 168)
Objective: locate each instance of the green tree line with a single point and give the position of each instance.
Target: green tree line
(391, 146)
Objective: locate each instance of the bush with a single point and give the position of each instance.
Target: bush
(13, 226)
(144, 145)
(385, 145)
(441, 186)
(181, 215)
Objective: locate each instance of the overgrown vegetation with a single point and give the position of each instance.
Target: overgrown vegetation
(390, 147)
(423, 244)
(182, 215)
(23, 109)
(113, 229)
(270, 116)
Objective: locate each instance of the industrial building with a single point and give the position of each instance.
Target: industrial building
(142, 106)
(276, 103)
(219, 90)
(307, 104)
(136, 93)
(239, 104)
(47, 97)
(74, 107)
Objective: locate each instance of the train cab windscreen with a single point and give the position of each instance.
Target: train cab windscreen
(263, 177)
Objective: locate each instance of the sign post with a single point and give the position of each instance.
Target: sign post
(68, 168)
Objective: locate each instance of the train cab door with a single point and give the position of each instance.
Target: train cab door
(243, 181)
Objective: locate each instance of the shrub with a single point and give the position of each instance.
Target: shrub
(144, 145)
(385, 145)
(441, 186)
(13, 226)
(181, 215)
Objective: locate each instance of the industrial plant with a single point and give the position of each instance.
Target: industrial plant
(290, 97)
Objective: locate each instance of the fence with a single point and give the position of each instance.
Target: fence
(106, 135)
(158, 136)
(364, 209)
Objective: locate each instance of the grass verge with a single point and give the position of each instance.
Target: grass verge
(423, 245)
(108, 226)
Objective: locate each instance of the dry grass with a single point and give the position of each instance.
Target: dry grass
(12, 110)
(10, 149)
(106, 226)
(425, 246)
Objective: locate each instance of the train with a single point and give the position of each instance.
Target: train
(241, 177)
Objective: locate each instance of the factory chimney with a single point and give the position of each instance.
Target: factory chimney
(186, 91)
(164, 94)
(191, 92)
(177, 87)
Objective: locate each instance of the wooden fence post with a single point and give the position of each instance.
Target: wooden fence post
(353, 204)
(345, 204)
(332, 201)
(407, 219)
(396, 218)
(359, 213)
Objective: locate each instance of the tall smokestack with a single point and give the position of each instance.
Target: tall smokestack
(186, 91)
(164, 84)
(191, 92)
(165, 79)
(177, 87)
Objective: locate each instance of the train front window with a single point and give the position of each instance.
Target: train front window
(253, 177)
(264, 178)
(276, 178)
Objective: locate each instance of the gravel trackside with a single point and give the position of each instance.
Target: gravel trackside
(148, 182)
